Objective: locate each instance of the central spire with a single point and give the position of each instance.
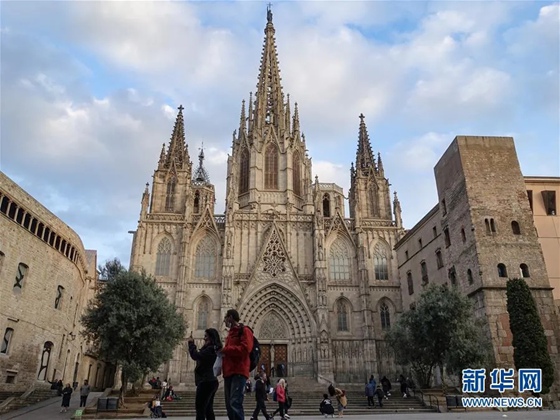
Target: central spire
(269, 99)
(364, 155)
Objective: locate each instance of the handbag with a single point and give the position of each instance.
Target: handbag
(218, 365)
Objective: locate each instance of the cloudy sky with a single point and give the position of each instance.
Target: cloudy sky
(89, 92)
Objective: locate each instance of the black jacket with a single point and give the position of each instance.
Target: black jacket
(260, 390)
(205, 358)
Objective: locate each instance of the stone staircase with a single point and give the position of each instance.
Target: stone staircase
(10, 401)
(306, 395)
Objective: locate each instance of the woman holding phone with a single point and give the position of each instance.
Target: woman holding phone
(204, 378)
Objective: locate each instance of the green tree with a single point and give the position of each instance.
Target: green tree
(133, 324)
(530, 346)
(111, 269)
(441, 331)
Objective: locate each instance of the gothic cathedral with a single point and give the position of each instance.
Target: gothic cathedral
(317, 288)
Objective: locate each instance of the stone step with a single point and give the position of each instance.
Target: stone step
(304, 404)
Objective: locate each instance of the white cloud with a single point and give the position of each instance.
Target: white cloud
(94, 87)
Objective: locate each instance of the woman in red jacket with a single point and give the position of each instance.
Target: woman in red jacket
(281, 396)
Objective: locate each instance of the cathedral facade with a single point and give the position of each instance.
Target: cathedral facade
(318, 288)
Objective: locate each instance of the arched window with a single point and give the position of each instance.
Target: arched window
(45, 359)
(342, 315)
(5, 348)
(244, 171)
(203, 309)
(205, 267)
(2, 255)
(59, 295)
(339, 261)
(502, 271)
(163, 260)
(326, 206)
(170, 196)
(524, 270)
(380, 262)
(469, 276)
(515, 228)
(271, 167)
(297, 174)
(385, 316)
(20, 277)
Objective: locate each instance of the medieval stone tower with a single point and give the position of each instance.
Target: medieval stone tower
(317, 288)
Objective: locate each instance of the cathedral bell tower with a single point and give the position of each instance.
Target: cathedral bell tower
(172, 178)
(369, 195)
(269, 168)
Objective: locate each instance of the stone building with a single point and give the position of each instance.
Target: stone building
(480, 234)
(543, 193)
(46, 279)
(317, 288)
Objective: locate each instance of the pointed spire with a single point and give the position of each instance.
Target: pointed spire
(200, 175)
(177, 152)
(161, 162)
(380, 169)
(242, 121)
(397, 210)
(364, 156)
(295, 123)
(288, 112)
(269, 106)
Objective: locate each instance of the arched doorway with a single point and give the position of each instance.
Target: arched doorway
(274, 339)
(276, 305)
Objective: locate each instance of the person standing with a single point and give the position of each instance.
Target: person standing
(370, 391)
(204, 378)
(84, 392)
(261, 395)
(66, 394)
(235, 364)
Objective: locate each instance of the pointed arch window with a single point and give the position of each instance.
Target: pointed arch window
(297, 174)
(342, 316)
(196, 202)
(271, 168)
(326, 206)
(170, 196)
(339, 261)
(163, 260)
(203, 309)
(524, 270)
(385, 316)
(244, 171)
(205, 266)
(380, 262)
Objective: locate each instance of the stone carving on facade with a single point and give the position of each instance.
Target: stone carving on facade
(273, 328)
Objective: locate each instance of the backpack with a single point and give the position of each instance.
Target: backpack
(255, 354)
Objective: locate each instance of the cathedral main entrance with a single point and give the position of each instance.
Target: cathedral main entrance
(274, 359)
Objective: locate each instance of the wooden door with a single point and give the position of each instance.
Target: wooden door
(281, 358)
(265, 359)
